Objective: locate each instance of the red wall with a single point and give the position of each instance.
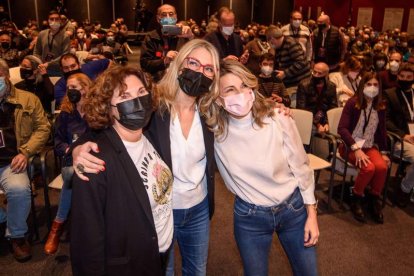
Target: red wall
(339, 10)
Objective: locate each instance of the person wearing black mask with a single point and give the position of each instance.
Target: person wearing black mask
(69, 64)
(36, 80)
(400, 120)
(131, 198)
(69, 125)
(328, 44)
(7, 52)
(182, 138)
(257, 48)
(318, 95)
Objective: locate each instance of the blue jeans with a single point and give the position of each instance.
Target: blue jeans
(65, 195)
(192, 231)
(16, 186)
(254, 227)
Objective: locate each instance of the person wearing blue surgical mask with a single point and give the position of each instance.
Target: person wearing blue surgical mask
(160, 47)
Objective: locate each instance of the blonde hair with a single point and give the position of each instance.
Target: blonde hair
(218, 117)
(168, 87)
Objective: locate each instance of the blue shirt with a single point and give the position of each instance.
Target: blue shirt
(91, 69)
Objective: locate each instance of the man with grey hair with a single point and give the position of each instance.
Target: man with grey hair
(24, 130)
(290, 61)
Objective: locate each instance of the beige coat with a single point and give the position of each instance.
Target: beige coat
(32, 127)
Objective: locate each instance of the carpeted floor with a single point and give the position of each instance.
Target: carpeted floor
(346, 247)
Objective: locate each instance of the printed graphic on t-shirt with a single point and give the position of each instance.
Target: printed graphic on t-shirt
(158, 178)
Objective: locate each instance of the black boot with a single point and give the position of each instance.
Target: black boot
(375, 208)
(356, 208)
(402, 199)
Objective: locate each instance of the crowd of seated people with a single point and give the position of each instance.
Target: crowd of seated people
(311, 65)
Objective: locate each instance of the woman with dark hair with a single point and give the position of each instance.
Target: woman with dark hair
(69, 126)
(122, 221)
(380, 60)
(362, 127)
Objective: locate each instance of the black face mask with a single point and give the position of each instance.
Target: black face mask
(135, 113)
(26, 73)
(318, 80)
(321, 27)
(68, 74)
(262, 38)
(5, 45)
(405, 85)
(74, 95)
(194, 83)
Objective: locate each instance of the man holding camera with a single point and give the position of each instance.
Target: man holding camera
(161, 45)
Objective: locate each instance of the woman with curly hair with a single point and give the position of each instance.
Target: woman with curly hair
(69, 125)
(262, 161)
(182, 138)
(122, 221)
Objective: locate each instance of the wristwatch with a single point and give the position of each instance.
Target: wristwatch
(355, 147)
(314, 205)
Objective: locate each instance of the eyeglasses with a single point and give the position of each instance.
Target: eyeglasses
(195, 65)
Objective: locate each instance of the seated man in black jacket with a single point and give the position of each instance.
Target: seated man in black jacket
(400, 120)
(317, 95)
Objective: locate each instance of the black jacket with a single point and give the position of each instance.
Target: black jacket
(158, 133)
(398, 115)
(112, 230)
(308, 98)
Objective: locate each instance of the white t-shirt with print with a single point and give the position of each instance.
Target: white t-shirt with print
(157, 179)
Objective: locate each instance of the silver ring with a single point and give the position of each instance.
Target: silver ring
(80, 168)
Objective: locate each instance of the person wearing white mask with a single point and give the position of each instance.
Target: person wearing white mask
(270, 177)
(51, 44)
(389, 77)
(299, 32)
(81, 42)
(362, 128)
(347, 79)
(228, 44)
(269, 86)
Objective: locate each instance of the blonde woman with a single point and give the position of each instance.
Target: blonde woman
(261, 158)
(182, 138)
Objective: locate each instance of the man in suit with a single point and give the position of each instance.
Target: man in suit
(400, 120)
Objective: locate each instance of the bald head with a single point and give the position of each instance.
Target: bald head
(323, 22)
(320, 69)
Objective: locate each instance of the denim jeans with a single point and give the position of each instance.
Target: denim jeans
(254, 227)
(16, 186)
(192, 231)
(65, 194)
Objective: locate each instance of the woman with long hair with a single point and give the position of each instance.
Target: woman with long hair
(262, 161)
(362, 127)
(69, 125)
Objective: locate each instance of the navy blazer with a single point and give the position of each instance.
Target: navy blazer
(158, 132)
(113, 231)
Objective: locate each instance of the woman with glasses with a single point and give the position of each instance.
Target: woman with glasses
(181, 136)
(362, 127)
